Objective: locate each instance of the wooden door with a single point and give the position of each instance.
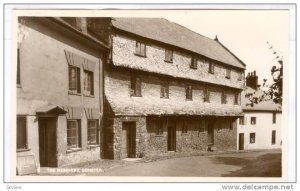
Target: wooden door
(128, 140)
(171, 138)
(241, 141)
(210, 132)
(47, 141)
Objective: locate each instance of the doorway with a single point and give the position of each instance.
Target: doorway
(128, 140)
(47, 141)
(210, 133)
(241, 141)
(171, 138)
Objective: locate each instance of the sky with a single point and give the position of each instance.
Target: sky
(245, 33)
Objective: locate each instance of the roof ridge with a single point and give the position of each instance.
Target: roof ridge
(188, 29)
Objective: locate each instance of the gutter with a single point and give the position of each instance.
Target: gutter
(72, 29)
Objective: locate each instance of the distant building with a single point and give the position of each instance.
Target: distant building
(59, 97)
(260, 127)
(167, 88)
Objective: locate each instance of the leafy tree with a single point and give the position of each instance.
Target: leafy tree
(271, 91)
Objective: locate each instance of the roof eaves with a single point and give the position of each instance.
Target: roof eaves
(70, 27)
(138, 35)
(231, 53)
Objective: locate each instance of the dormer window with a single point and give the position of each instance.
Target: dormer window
(240, 76)
(224, 98)
(228, 73)
(236, 99)
(211, 68)
(206, 95)
(189, 92)
(140, 49)
(168, 55)
(194, 61)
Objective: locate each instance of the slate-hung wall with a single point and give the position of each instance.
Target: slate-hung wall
(123, 54)
(44, 83)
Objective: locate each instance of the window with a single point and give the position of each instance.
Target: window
(252, 138)
(168, 55)
(231, 125)
(240, 76)
(159, 127)
(211, 68)
(236, 99)
(189, 92)
(273, 137)
(253, 120)
(206, 95)
(73, 134)
(224, 98)
(184, 128)
(242, 120)
(88, 85)
(194, 61)
(140, 49)
(18, 68)
(164, 90)
(93, 132)
(228, 73)
(74, 79)
(21, 133)
(274, 117)
(136, 86)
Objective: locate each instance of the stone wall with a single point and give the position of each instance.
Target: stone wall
(119, 100)
(113, 136)
(196, 137)
(123, 54)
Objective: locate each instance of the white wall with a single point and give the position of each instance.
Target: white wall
(262, 129)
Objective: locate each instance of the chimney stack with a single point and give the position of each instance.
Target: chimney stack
(81, 23)
(252, 80)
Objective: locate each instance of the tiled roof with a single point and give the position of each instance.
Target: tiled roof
(267, 105)
(162, 30)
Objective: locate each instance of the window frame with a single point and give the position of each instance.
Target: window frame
(254, 120)
(236, 99)
(206, 95)
(228, 73)
(77, 88)
(211, 67)
(194, 62)
(96, 133)
(139, 50)
(25, 137)
(78, 134)
(135, 86)
(252, 139)
(243, 121)
(184, 128)
(189, 92)
(274, 117)
(169, 55)
(159, 128)
(18, 68)
(273, 138)
(224, 98)
(88, 80)
(240, 76)
(164, 89)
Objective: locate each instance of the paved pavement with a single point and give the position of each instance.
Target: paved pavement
(195, 166)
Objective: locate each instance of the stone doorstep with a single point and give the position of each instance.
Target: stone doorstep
(132, 159)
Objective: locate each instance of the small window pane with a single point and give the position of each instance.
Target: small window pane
(92, 132)
(252, 138)
(21, 133)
